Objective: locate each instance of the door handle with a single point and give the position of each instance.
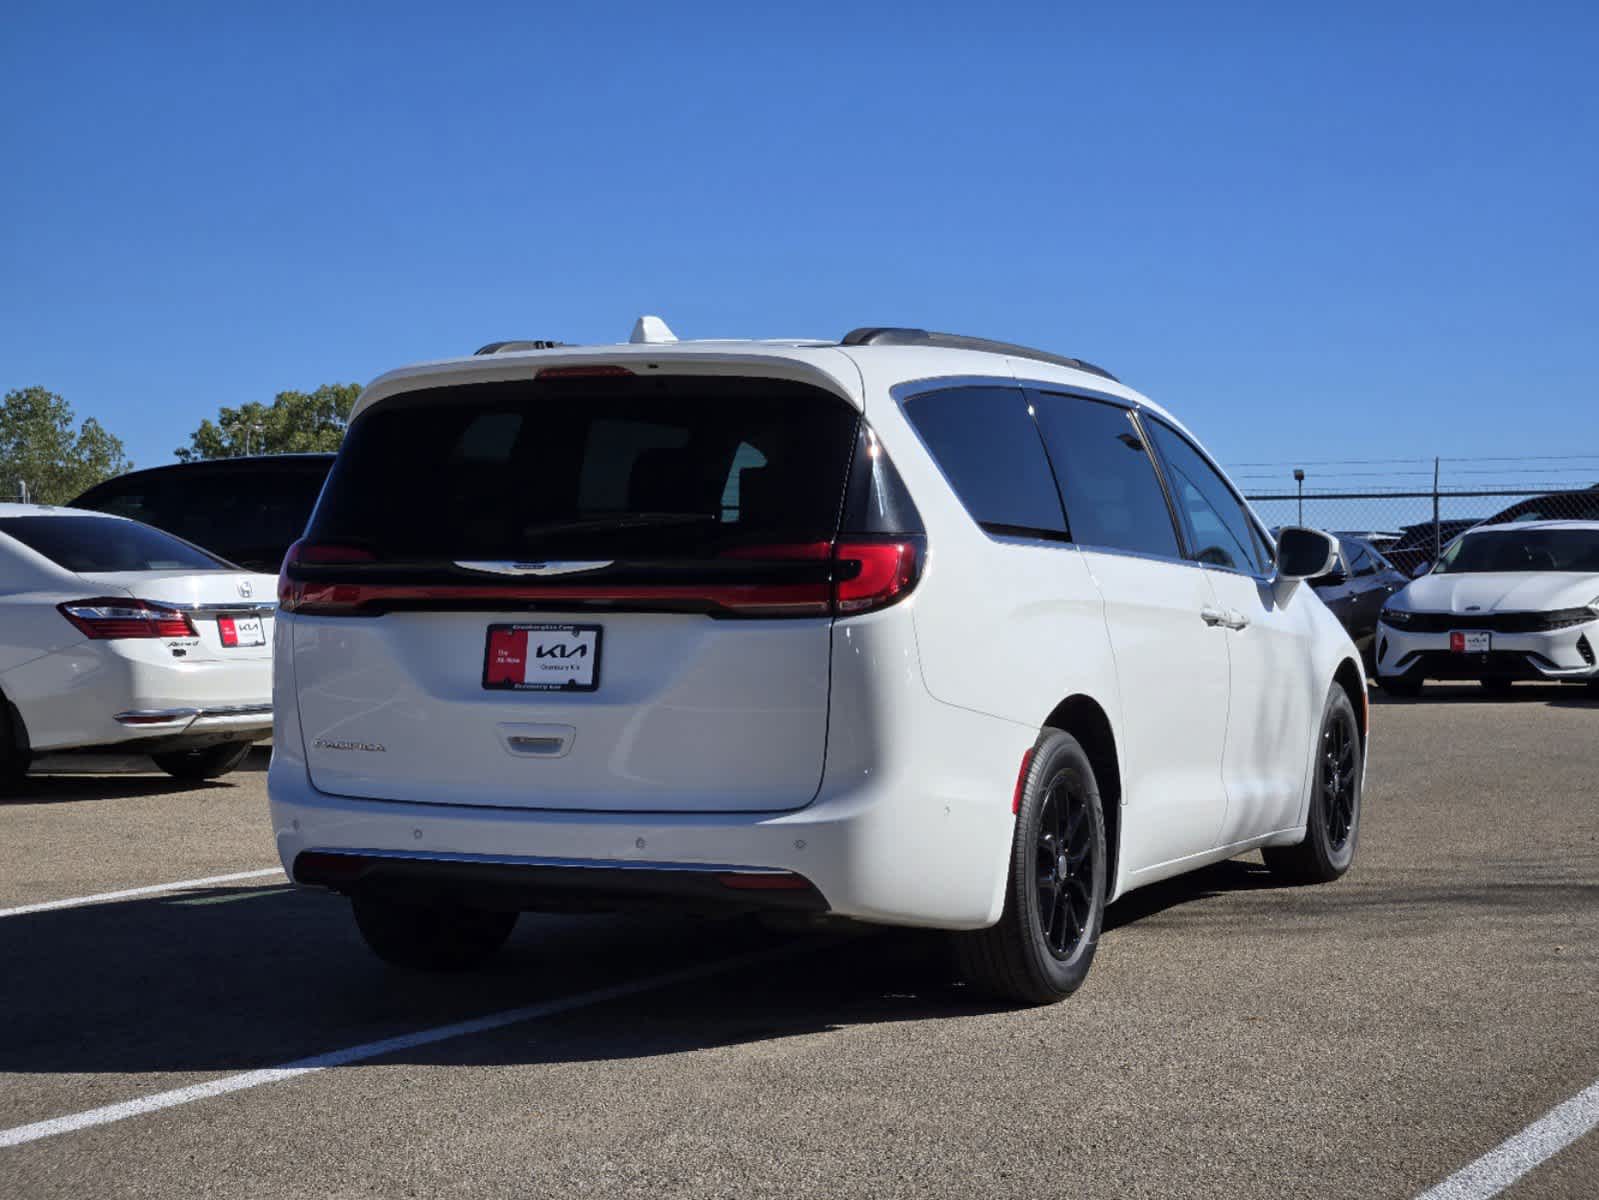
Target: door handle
(1224, 618)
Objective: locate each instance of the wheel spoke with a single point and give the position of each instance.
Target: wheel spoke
(1061, 926)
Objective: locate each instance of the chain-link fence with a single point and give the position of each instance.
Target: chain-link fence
(1421, 505)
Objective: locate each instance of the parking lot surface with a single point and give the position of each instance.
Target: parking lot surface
(1367, 1038)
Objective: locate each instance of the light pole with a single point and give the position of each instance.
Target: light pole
(249, 429)
(1299, 478)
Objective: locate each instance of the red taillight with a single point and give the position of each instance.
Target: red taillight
(1021, 781)
(291, 592)
(872, 575)
(588, 372)
(849, 578)
(114, 618)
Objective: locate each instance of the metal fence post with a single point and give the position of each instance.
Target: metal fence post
(1438, 528)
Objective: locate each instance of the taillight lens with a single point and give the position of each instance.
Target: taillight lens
(113, 618)
(850, 577)
(873, 575)
(291, 592)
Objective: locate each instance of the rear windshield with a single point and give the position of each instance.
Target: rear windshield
(248, 516)
(590, 468)
(91, 545)
(1523, 550)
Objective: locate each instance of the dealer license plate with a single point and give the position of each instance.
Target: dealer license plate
(241, 631)
(542, 658)
(1471, 642)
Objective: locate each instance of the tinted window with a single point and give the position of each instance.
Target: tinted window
(248, 516)
(96, 544)
(1113, 496)
(988, 448)
(1523, 550)
(1219, 531)
(666, 467)
(1360, 559)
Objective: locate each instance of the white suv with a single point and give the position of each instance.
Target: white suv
(910, 628)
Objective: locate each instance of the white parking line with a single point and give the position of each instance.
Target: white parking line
(367, 1050)
(154, 889)
(1534, 1145)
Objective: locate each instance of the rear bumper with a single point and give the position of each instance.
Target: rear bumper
(102, 694)
(1554, 655)
(912, 823)
(543, 884)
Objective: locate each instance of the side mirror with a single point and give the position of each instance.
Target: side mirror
(1305, 553)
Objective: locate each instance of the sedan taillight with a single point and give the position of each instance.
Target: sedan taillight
(113, 618)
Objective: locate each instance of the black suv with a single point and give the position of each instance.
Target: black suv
(246, 510)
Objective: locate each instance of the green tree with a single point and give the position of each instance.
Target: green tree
(42, 446)
(295, 422)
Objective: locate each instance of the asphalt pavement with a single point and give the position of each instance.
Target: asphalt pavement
(1235, 1038)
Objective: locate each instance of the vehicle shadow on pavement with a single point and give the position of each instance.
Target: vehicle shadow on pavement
(239, 978)
(67, 778)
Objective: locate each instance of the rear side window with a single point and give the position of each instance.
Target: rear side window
(606, 467)
(1113, 495)
(988, 447)
(91, 545)
(1220, 531)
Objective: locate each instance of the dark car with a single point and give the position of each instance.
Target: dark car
(1358, 588)
(1556, 506)
(1418, 545)
(246, 510)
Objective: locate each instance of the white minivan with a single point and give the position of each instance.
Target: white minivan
(910, 628)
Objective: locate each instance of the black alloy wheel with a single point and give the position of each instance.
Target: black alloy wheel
(1332, 824)
(1340, 767)
(1044, 942)
(1064, 878)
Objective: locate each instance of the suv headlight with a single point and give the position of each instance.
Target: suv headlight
(1397, 617)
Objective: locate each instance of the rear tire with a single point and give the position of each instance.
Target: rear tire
(1332, 826)
(1044, 943)
(1497, 687)
(425, 937)
(15, 757)
(210, 763)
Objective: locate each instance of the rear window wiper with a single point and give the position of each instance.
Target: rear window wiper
(631, 520)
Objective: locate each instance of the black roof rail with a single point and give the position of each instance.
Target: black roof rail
(891, 335)
(505, 347)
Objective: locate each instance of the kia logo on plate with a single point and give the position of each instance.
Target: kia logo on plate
(246, 588)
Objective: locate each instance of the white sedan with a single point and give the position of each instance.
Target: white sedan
(116, 635)
(1505, 602)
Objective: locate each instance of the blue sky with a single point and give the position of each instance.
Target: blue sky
(1353, 231)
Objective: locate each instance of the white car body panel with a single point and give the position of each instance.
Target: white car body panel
(69, 689)
(925, 708)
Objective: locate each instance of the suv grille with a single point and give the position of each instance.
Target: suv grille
(1502, 622)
